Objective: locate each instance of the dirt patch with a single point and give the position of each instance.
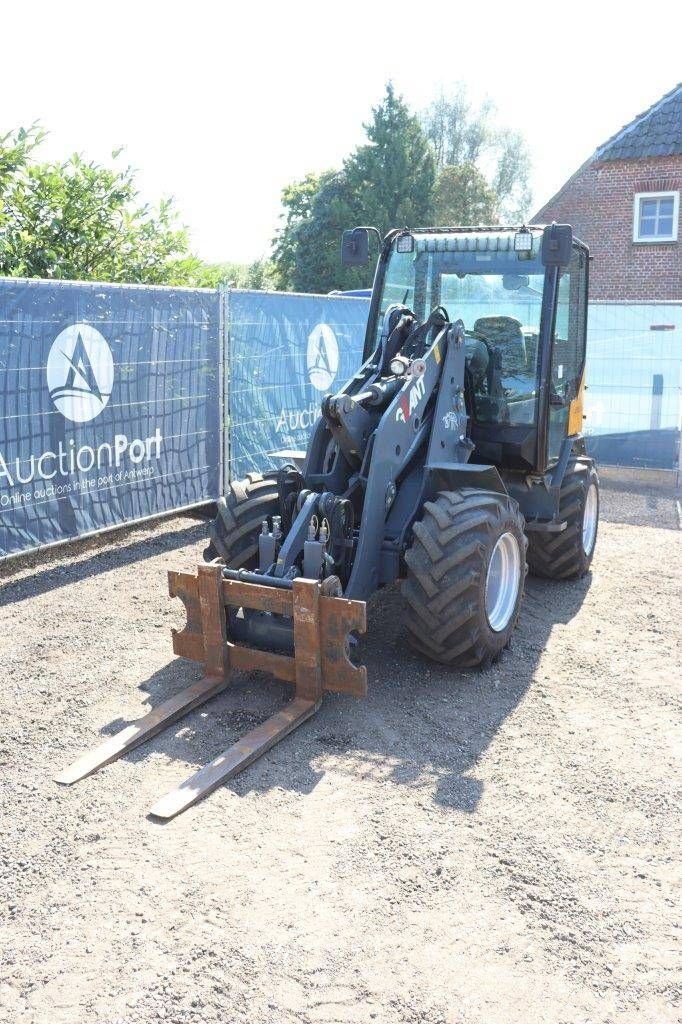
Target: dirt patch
(489, 848)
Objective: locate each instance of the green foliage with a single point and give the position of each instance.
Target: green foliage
(196, 274)
(452, 166)
(297, 200)
(79, 220)
(461, 135)
(457, 133)
(393, 176)
(511, 176)
(15, 150)
(259, 275)
(463, 196)
(385, 182)
(307, 253)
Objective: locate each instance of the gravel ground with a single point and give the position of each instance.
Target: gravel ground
(640, 505)
(489, 848)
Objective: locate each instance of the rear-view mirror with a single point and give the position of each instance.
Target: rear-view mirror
(557, 241)
(355, 247)
(512, 282)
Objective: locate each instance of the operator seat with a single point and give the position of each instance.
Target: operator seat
(505, 333)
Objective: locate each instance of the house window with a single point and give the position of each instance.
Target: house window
(656, 215)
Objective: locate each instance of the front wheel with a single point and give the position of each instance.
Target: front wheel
(234, 532)
(466, 569)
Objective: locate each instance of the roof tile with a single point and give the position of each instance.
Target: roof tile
(655, 132)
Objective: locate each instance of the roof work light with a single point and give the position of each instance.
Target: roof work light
(405, 243)
(523, 240)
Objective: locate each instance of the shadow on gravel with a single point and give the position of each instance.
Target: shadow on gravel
(103, 558)
(250, 700)
(422, 726)
(441, 722)
(639, 505)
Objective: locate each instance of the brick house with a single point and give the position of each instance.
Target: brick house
(624, 203)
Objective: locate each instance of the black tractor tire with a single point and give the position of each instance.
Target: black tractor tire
(234, 532)
(562, 556)
(447, 573)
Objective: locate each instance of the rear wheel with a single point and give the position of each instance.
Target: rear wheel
(465, 575)
(568, 555)
(234, 532)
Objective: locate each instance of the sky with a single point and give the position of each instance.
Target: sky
(221, 105)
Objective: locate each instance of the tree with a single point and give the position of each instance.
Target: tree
(462, 135)
(79, 220)
(308, 251)
(511, 176)
(260, 275)
(463, 196)
(297, 200)
(193, 273)
(387, 182)
(15, 150)
(457, 133)
(392, 177)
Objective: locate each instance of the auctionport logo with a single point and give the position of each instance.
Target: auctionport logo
(80, 376)
(322, 357)
(80, 373)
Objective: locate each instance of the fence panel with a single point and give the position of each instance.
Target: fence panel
(634, 377)
(109, 406)
(111, 396)
(285, 352)
(634, 373)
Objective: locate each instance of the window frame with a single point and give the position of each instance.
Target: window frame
(655, 239)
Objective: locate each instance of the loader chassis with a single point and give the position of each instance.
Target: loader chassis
(448, 461)
(484, 403)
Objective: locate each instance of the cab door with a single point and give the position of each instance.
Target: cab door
(568, 349)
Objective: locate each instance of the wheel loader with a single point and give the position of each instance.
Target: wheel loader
(451, 462)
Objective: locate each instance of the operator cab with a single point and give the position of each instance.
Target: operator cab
(513, 290)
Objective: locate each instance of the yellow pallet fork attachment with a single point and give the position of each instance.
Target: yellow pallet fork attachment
(321, 625)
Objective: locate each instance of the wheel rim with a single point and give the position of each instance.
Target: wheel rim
(502, 582)
(590, 519)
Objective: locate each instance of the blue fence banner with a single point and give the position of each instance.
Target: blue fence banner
(284, 353)
(121, 402)
(109, 406)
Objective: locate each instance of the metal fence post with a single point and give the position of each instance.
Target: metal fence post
(656, 401)
(224, 387)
